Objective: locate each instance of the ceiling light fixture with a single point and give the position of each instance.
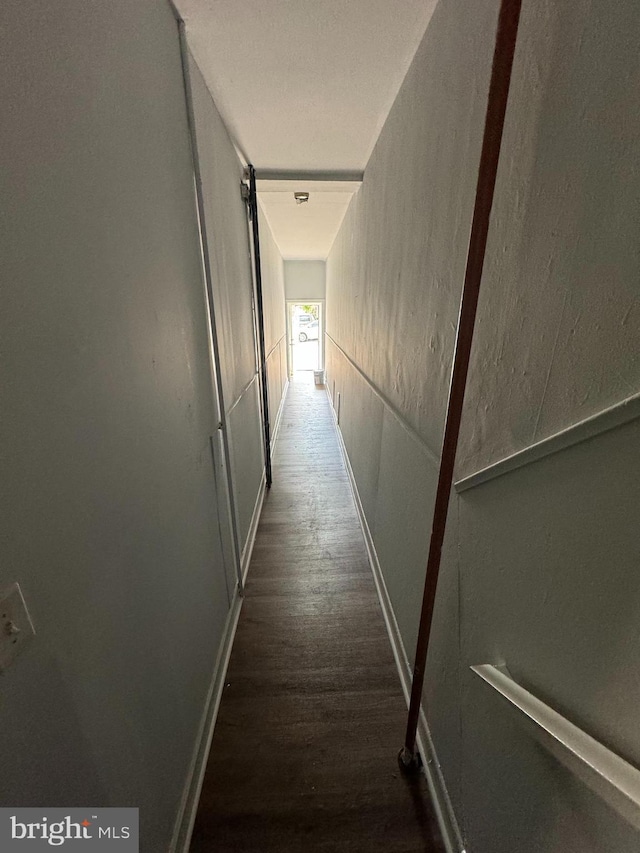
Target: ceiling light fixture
(301, 198)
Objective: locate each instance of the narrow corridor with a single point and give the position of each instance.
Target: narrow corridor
(304, 750)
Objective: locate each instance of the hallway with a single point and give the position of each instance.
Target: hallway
(451, 190)
(304, 750)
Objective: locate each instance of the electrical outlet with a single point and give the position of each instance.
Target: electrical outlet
(16, 627)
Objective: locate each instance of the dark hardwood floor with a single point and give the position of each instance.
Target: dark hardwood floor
(312, 716)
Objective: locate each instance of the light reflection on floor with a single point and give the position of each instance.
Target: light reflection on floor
(305, 356)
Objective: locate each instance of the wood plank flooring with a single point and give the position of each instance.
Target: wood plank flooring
(312, 715)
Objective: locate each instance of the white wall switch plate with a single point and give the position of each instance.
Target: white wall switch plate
(16, 627)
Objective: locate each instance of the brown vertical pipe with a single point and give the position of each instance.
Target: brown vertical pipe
(506, 35)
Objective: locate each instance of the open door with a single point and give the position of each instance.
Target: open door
(305, 335)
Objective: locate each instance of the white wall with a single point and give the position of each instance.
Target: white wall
(226, 222)
(539, 567)
(304, 280)
(109, 516)
(114, 513)
(227, 236)
(274, 319)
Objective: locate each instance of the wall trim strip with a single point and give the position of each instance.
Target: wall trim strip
(605, 773)
(403, 423)
(253, 529)
(617, 415)
(277, 343)
(185, 820)
(207, 274)
(193, 786)
(257, 509)
(278, 419)
(242, 393)
(435, 780)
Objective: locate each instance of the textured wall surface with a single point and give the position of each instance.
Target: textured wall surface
(305, 279)
(107, 491)
(539, 565)
(558, 330)
(395, 271)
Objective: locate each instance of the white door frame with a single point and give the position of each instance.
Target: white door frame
(289, 306)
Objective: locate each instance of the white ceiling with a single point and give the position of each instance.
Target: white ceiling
(305, 230)
(304, 86)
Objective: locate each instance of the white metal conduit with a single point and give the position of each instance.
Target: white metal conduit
(605, 773)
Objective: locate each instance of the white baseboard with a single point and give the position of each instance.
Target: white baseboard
(257, 509)
(278, 420)
(193, 786)
(191, 795)
(435, 780)
(245, 560)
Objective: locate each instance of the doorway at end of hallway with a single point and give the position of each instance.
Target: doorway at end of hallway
(305, 334)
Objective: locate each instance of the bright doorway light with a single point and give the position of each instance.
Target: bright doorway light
(305, 335)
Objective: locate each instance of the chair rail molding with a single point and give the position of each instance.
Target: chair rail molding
(607, 774)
